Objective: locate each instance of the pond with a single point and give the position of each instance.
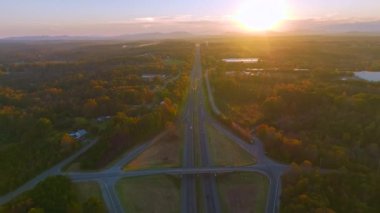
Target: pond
(368, 76)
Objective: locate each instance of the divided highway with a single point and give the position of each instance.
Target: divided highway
(208, 181)
(194, 119)
(196, 136)
(188, 185)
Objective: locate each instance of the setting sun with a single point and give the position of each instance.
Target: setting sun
(257, 15)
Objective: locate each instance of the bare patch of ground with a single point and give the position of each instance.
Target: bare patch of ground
(163, 153)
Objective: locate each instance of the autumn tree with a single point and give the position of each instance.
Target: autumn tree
(90, 107)
(67, 142)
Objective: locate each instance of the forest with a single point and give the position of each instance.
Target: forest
(306, 189)
(54, 194)
(50, 89)
(303, 101)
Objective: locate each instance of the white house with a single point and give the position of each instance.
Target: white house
(78, 134)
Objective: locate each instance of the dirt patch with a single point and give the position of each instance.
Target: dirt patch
(164, 153)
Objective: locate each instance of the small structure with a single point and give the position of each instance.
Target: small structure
(78, 134)
(151, 77)
(241, 60)
(255, 69)
(300, 70)
(103, 118)
(230, 73)
(243, 73)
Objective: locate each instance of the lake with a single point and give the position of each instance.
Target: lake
(368, 76)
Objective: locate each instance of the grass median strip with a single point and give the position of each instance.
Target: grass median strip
(159, 193)
(225, 152)
(243, 192)
(86, 190)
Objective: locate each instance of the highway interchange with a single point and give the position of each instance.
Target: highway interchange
(197, 163)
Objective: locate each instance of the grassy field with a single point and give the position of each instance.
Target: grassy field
(201, 205)
(225, 152)
(243, 192)
(164, 153)
(73, 167)
(85, 190)
(150, 194)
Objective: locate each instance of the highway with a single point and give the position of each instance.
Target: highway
(208, 181)
(194, 118)
(188, 189)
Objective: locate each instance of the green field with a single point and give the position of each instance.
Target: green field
(150, 194)
(85, 190)
(243, 192)
(225, 152)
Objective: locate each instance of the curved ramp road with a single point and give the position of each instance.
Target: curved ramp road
(194, 118)
(273, 169)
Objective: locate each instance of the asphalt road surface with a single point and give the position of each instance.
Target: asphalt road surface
(208, 181)
(188, 188)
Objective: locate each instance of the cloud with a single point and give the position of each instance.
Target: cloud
(159, 19)
(145, 19)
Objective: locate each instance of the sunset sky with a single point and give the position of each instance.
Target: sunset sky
(104, 17)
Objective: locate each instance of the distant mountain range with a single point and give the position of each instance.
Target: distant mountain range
(126, 37)
(50, 38)
(307, 26)
(328, 26)
(154, 36)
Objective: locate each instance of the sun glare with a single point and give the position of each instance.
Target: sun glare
(261, 15)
